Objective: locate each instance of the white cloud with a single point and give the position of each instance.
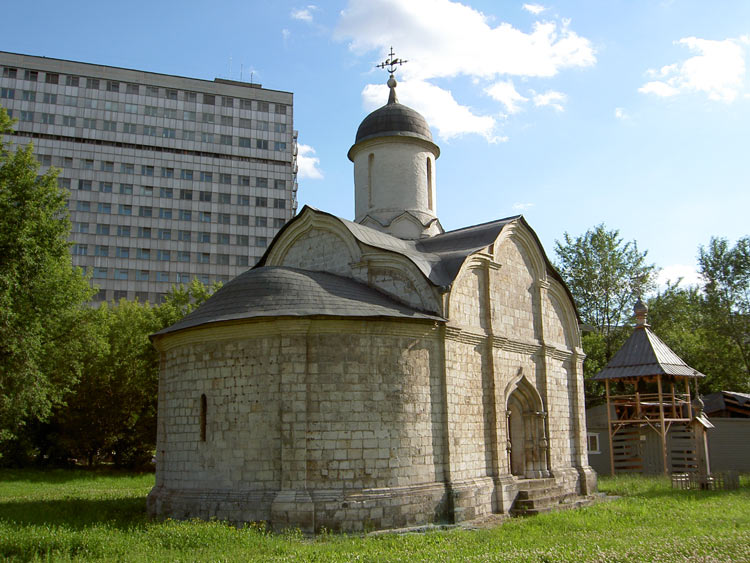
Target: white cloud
(661, 89)
(550, 98)
(621, 114)
(505, 93)
(445, 39)
(521, 207)
(717, 70)
(535, 9)
(308, 165)
(438, 106)
(304, 14)
(285, 33)
(673, 272)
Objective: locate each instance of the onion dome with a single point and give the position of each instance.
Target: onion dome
(394, 119)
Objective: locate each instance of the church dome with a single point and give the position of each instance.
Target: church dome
(394, 119)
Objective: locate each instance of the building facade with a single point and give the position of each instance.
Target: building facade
(170, 178)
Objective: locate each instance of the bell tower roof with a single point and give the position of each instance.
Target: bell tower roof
(394, 119)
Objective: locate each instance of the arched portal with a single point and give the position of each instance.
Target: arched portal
(527, 431)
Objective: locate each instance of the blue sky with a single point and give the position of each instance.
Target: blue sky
(632, 113)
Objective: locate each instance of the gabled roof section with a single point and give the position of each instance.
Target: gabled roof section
(737, 404)
(439, 257)
(645, 355)
(275, 291)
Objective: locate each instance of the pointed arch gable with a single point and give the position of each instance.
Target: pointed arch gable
(314, 241)
(526, 389)
(522, 235)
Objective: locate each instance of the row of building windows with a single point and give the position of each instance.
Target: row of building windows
(154, 131)
(125, 231)
(172, 193)
(148, 170)
(144, 296)
(130, 88)
(104, 229)
(150, 111)
(162, 256)
(166, 212)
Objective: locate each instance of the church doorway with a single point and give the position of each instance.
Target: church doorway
(517, 437)
(527, 435)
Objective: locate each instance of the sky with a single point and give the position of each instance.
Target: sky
(630, 113)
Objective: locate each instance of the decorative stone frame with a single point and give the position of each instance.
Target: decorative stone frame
(534, 462)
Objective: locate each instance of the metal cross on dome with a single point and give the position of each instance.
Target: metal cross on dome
(391, 63)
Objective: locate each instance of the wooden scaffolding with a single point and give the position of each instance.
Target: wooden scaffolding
(648, 394)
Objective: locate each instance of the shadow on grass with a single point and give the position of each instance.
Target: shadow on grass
(76, 513)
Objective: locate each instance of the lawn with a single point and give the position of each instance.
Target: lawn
(80, 515)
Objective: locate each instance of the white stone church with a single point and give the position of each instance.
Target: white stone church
(376, 373)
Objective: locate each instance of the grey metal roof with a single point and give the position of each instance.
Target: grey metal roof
(644, 355)
(439, 257)
(718, 401)
(275, 291)
(394, 119)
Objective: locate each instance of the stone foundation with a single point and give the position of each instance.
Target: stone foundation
(354, 511)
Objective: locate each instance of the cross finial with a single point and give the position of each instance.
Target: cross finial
(391, 64)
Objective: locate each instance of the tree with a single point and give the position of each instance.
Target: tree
(726, 274)
(40, 292)
(112, 409)
(680, 317)
(183, 299)
(605, 277)
(111, 412)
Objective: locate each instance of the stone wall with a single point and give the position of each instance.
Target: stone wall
(320, 423)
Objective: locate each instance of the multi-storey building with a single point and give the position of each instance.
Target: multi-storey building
(170, 178)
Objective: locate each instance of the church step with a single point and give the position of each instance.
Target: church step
(531, 494)
(532, 484)
(537, 503)
(530, 511)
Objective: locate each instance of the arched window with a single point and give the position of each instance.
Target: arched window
(370, 163)
(203, 417)
(430, 203)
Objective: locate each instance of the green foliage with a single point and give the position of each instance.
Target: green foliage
(726, 271)
(606, 277)
(184, 299)
(64, 515)
(110, 413)
(40, 292)
(683, 320)
(112, 409)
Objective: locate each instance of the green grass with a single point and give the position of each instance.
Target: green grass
(80, 515)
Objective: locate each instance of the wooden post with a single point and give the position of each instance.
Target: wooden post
(663, 427)
(674, 402)
(638, 415)
(609, 431)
